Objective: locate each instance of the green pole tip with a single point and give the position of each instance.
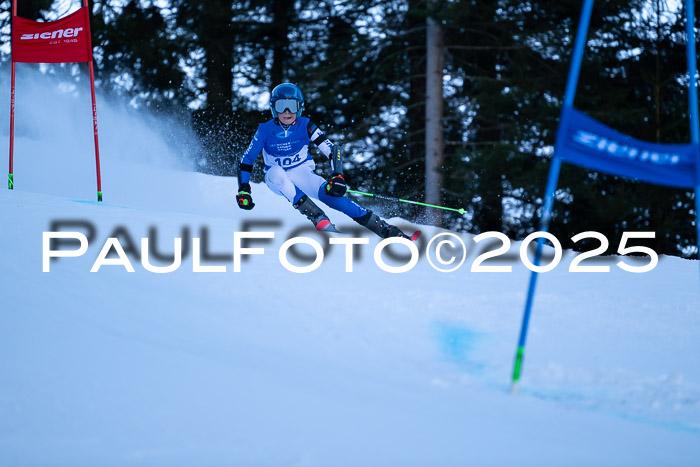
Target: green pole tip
(99, 196)
(10, 181)
(462, 211)
(517, 367)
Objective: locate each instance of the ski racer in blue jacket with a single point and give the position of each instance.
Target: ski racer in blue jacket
(289, 168)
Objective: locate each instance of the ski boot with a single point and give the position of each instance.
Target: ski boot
(314, 214)
(375, 223)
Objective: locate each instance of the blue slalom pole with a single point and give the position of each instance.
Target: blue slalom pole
(693, 106)
(552, 180)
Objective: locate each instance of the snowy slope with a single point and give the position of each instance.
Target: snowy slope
(269, 367)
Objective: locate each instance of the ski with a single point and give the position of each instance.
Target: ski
(413, 237)
(327, 226)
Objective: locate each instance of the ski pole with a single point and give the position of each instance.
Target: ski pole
(391, 198)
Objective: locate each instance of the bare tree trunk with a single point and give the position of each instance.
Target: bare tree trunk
(415, 106)
(218, 46)
(280, 40)
(434, 109)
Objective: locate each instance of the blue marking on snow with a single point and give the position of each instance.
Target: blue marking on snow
(457, 344)
(98, 203)
(599, 403)
(109, 205)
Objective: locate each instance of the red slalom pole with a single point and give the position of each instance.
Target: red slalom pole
(94, 103)
(10, 176)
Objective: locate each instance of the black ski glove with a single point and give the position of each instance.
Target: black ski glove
(336, 186)
(245, 201)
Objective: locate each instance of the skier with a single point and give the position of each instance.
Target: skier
(289, 168)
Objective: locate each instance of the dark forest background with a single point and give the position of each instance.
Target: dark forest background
(362, 67)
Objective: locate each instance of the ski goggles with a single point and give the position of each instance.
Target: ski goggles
(286, 104)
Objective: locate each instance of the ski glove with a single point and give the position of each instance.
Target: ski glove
(335, 186)
(245, 201)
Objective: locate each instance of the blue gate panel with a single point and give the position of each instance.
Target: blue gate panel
(583, 141)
